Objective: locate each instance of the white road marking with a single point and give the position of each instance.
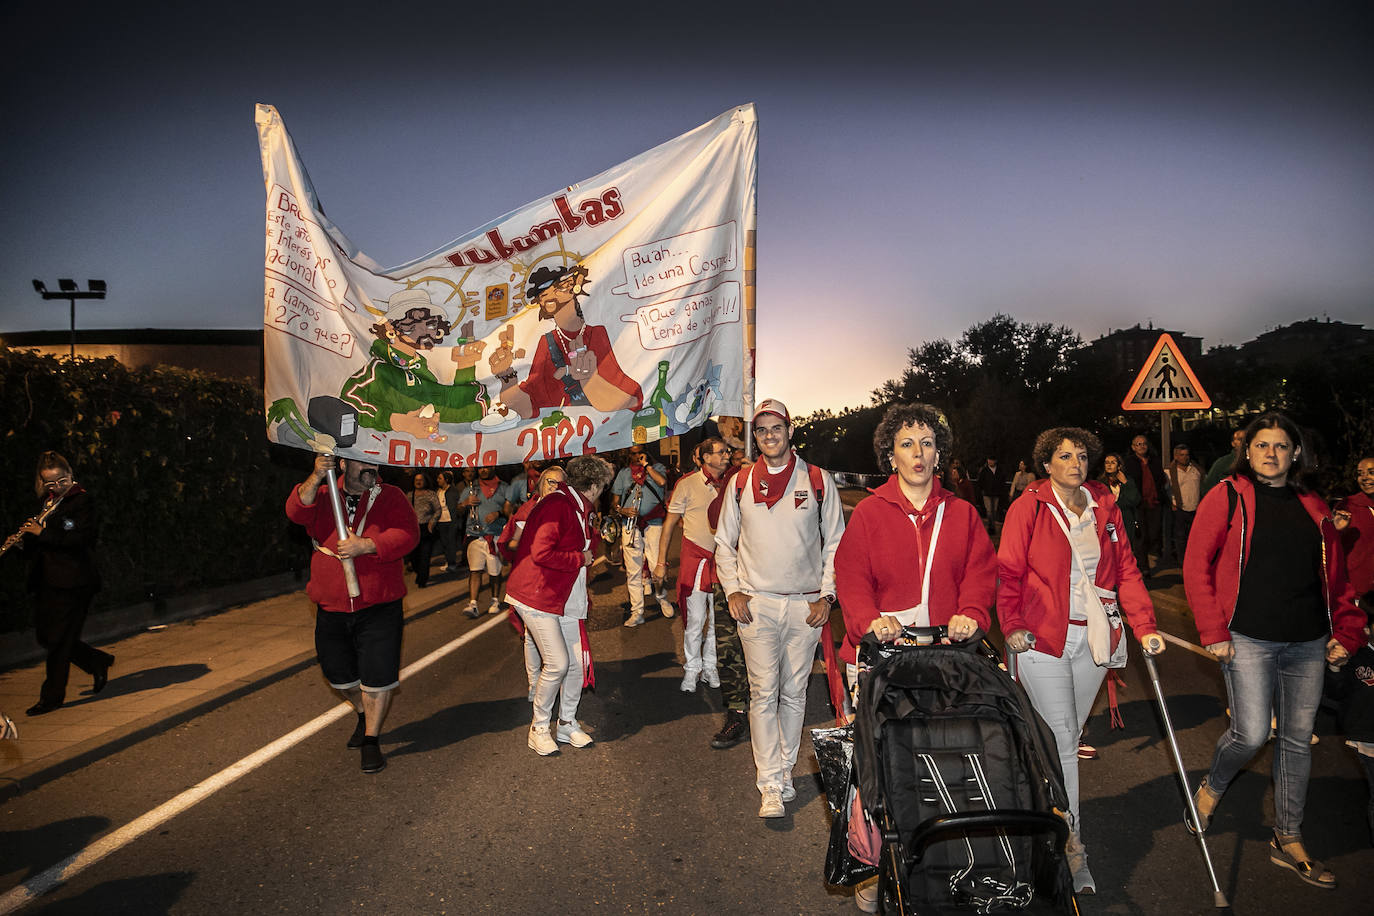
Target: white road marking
(71, 866)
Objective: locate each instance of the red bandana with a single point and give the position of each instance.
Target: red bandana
(769, 488)
(638, 472)
(489, 486)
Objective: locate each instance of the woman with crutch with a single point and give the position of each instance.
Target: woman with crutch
(1265, 576)
(1065, 565)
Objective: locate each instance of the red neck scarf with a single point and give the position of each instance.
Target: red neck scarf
(638, 472)
(769, 488)
(489, 486)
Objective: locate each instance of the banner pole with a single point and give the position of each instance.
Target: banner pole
(350, 574)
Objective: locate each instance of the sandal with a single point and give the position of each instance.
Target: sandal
(1309, 870)
(1203, 798)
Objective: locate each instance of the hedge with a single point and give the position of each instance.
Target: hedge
(188, 489)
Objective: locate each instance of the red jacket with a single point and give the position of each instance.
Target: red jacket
(1358, 541)
(550, 553)
(390, 524)
(1034, 561)
(1215, 562)
(881, 562)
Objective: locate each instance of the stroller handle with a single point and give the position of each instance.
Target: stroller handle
(1009, 819)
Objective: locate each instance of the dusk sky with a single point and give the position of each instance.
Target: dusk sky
(1205, 166)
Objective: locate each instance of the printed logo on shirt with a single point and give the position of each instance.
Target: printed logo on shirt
(799, 498)
(68, 524)
(1365, 675)
(763, 488)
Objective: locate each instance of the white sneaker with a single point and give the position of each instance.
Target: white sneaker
(866, 896)
(772, 803)
(689, 682)
(495, 607)
(572, 733)
(471, 611)
(541, 742)
(789, 792)
(666, 608)
(636, 620)
(712, 677)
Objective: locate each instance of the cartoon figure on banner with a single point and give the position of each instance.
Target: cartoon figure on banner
(397, 389)
(573, 365)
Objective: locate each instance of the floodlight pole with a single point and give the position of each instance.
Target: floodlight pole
(67, 290)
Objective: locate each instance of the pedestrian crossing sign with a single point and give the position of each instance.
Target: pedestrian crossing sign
(1166, 382)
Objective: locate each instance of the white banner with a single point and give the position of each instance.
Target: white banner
(615, 311)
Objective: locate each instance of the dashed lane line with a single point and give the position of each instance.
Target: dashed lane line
(73, 865)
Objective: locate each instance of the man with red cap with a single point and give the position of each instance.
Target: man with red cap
(775, 559)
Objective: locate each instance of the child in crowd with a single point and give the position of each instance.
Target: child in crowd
(1353, 688)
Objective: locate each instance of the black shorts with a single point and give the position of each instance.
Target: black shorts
(362, 648)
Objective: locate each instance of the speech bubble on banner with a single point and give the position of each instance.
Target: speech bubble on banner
(659, 267)
(671, 322)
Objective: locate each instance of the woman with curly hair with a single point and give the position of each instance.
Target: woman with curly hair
(888, 571)
(912, 553)
(1065, 567)
(1265, 576)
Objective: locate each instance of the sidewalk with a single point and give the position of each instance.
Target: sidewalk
(169, 673)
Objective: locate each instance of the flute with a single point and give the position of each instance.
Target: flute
(38, 519)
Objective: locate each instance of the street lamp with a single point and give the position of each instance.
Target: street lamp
(66, 289)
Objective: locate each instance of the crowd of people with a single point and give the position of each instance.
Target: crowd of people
(1279, 583)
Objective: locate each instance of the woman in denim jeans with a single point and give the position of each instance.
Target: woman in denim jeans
(1265, 576)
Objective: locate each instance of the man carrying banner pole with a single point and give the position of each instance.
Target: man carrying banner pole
(357, 637)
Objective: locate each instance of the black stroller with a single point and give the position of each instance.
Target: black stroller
(960, 775)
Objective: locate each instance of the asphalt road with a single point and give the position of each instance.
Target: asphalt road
(649, 819)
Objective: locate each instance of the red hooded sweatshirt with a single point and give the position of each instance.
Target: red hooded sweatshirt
(881, 561)
(1034, 560)
(1219, 546)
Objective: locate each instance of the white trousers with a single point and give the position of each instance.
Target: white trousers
(1062, 691)
(636, 545)
(698, 648)
(779, 647)
(559, 641)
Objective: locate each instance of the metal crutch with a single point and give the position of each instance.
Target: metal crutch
(1218, 897)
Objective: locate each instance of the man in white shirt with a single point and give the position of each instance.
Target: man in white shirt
(779, 526)
(1185, 491)
(696, 577)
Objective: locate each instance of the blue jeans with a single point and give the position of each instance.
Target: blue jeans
(1264, 675)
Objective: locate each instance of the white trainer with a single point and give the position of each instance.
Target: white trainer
(495, 607)
(866, 896)
(689, 682)
(772, 803)
(789, 792)
(666, 608)
(712, 677)
(572, 733)
(636, 620)
(541, 742)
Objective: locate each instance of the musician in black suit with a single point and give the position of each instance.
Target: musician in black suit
(63, 578)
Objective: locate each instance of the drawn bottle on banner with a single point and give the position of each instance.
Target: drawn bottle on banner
(651, 423)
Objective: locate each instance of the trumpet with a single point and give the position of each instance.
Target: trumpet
(48, 509)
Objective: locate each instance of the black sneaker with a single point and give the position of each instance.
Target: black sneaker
(735, 730)
(373, 761)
